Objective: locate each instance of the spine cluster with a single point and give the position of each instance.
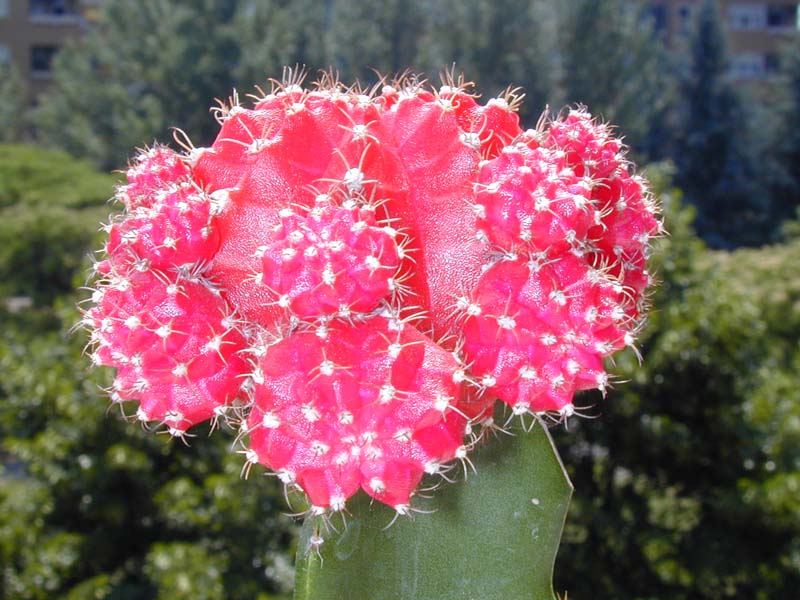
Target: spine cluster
(570, 226)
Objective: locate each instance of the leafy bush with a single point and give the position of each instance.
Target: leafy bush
(50, 209)
(13, 100)
(90, 504)
(687, 487)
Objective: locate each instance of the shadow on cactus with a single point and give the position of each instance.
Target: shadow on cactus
(352, 278)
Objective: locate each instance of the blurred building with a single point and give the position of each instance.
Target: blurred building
(756, 31)
(32, 31)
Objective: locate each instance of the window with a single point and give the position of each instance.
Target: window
(42, 59)
(685, 18)
(782, 16)
(3, 9)
(658, 14)
(747, 16)
(5, 55)
(52, 8)
(748, 65)
(772, 63)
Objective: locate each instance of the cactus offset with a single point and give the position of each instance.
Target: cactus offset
(359, 276)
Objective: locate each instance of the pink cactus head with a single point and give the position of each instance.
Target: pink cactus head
(358, 277)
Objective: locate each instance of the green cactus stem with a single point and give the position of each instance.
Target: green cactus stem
(493, 536)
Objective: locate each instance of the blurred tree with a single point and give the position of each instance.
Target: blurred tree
(495, 44)
(50, 209)
(720, 158)
(356, 40)
(786, 135)
(687, 487)
(274, 34)
(143, 68)
(91, 506)
(368, 37)
(13, 104)
(615, 64)
(151, 65)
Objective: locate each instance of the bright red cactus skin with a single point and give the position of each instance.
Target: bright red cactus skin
(374, 400)
(174, 344)
(536, 331)
(534, 199)
(153, 171)
(488, 128)
(335, 260)
(359, 277)
(573, 226)
(172, 232)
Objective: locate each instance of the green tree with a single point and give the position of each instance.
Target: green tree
(615, 64)
(495, 44)
(50, 209)
(274, 34)
(720, 159)
(147, 66)
(143, 68)
(687, 485)
(786, 135)
(13, 104)
(91, 505)
(365, 37)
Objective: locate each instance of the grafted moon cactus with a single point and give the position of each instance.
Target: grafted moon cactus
(355, 277)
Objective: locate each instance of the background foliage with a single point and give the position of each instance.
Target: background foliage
(688, 486)
(146, 67)
(50, 206)
(92, 506)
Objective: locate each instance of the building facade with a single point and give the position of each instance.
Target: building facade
(32, 31)
(757, 32)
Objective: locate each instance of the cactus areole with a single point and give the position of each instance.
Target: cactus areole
(356, 277)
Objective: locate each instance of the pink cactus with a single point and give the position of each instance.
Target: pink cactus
(359, 276)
